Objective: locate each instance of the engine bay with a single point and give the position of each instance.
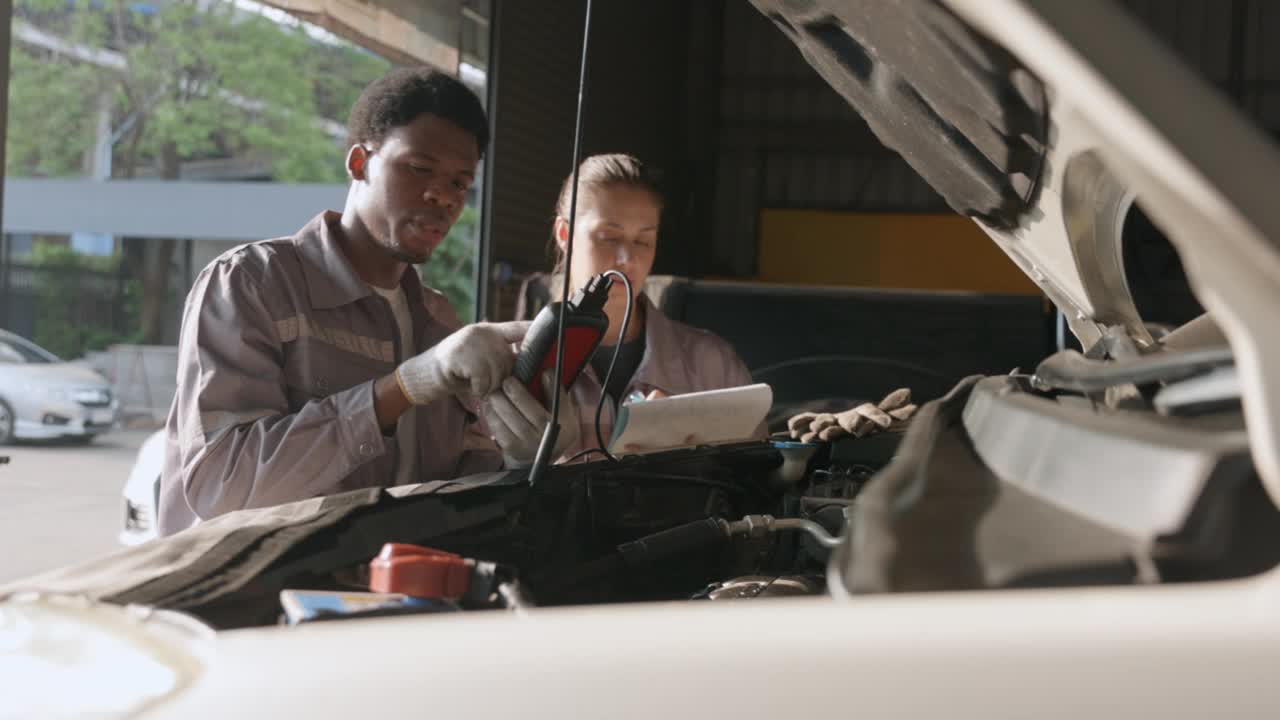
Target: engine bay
(1094, 470)
(1003, 483)
(757, 519)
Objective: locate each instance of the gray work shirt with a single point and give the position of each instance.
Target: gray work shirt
(281, 342)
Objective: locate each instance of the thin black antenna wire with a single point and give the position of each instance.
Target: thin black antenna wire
(547, 446)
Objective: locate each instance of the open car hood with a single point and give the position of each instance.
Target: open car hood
(1045, 121)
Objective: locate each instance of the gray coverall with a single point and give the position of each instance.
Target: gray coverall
(281, 342)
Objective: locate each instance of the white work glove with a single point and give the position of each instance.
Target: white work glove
(517, 421)
(891, 413)
(474, 359)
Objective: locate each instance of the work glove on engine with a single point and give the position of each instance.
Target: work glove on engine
(473, 360)
(517, 421)
(891, 413)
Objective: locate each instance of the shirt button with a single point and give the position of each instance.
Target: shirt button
(322, 385)
(366, 449)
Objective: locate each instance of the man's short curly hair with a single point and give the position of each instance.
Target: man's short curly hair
(399, 97)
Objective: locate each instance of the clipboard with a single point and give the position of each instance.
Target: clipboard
(712, 417)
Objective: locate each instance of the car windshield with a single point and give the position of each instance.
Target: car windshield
(13, 350)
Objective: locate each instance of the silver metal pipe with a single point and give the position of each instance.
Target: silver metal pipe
(815, 530)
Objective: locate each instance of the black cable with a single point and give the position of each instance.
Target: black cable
(579, 455)
(547, 446)
(617, 348)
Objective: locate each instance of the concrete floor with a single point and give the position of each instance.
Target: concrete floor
(61, 504)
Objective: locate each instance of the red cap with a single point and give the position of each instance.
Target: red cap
(419, 572)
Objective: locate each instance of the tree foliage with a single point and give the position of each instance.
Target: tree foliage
(183, 80)
(70, 317)
(452, 267)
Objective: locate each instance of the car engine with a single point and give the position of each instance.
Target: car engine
(752, 520)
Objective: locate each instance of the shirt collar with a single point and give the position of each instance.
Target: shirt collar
(331, 279)
(659, 333)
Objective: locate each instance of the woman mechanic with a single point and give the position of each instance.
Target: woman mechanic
(618, 209)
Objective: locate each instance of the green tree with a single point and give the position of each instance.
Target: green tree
(177, 80)
(68, 322)
(452, 267)
(47, 100)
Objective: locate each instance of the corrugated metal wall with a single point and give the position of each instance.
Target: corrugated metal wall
(1229, 42)
(786, 140)
(643, 71)
(638, 88)
(536, 78)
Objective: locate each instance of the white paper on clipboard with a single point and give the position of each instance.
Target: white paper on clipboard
(712, 417)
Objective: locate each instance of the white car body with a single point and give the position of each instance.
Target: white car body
(1118, 652)
(1162, 651)
(49, 398)
(141, 492)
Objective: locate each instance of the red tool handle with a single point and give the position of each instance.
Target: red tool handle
(420, 572)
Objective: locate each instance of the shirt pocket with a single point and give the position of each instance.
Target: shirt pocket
(316, 369)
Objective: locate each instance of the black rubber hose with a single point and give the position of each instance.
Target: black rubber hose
(646, 551)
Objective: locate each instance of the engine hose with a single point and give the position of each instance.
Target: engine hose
(680, 539)
(644, 553)
(816, 531)
(760, 525)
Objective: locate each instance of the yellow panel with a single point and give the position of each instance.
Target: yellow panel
(886, 250)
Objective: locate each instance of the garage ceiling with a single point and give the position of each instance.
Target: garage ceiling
(407, 32)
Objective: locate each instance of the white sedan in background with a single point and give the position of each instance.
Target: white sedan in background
(43, 397)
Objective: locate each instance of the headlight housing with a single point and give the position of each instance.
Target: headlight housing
(136, 517)
(93, 397)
